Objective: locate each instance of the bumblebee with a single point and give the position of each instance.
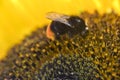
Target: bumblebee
(63, 24)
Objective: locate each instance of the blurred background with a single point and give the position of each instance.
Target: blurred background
(19, 17)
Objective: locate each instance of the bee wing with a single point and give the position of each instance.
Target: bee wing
(59, 17)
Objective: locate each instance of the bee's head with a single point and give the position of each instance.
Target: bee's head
(78, 24)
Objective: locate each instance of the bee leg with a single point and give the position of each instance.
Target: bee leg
(57, 36)
(70, 34)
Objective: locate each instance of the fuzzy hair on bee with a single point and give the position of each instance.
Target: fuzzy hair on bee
(64, 24)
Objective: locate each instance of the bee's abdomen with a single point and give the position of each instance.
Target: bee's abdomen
(59, 28)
